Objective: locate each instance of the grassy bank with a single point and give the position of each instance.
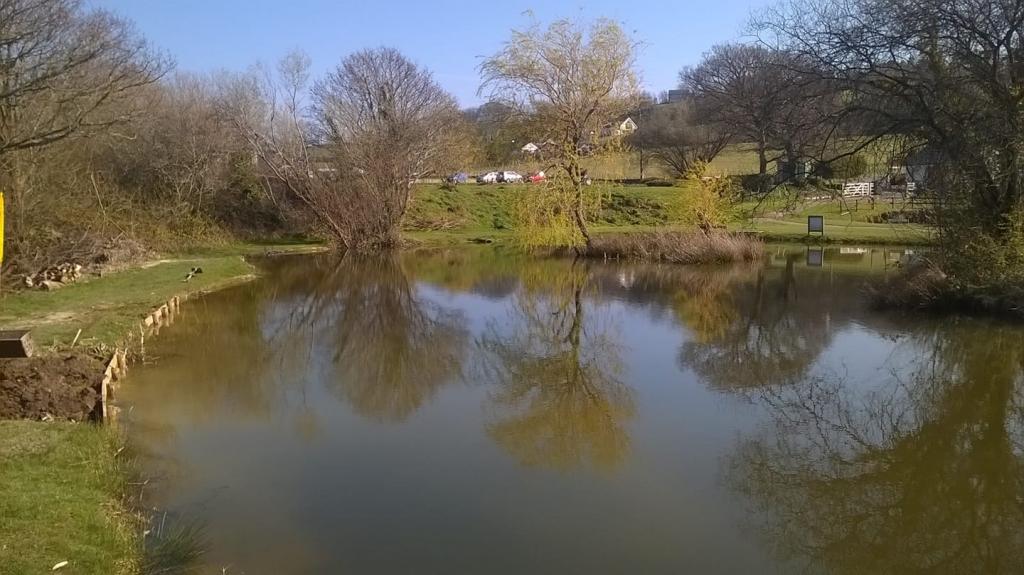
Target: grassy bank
(60, 500)
(484, 213)
(61, 485)
(107, 308)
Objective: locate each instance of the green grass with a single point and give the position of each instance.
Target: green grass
(845, 221)
(741, 159)
(106, 309)
(473, 213)
(487, 209)
(855, 232)
(737, 160)
(60, 488)
(845, 211)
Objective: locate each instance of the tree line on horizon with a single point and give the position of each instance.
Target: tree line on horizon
(105, 148)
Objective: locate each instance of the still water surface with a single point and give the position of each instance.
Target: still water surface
(478, 411)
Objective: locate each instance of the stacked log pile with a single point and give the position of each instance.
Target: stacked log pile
(54, 277)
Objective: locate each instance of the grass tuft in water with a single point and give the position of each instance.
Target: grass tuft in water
(174, 546)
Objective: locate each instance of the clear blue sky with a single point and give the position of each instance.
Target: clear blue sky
(447, 36)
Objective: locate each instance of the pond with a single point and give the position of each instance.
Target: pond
(482, 411)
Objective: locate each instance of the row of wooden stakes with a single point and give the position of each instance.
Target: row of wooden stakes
(117, 367)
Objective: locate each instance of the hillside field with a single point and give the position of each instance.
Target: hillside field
(485, 211)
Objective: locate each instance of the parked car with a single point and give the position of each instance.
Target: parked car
(488, 178)
(510, 177)
(537, 177)
(457, 178)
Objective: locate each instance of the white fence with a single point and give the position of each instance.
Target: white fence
(858, 189)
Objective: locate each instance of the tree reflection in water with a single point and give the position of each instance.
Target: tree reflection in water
(560, 402)
(390, 349)
(763, 327)
(393, 349)
(921, 473)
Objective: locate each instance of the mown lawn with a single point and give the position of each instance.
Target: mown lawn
(107, 308)
(60, 493)
(852, 232)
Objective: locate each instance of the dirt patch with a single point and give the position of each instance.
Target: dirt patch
(64, 388)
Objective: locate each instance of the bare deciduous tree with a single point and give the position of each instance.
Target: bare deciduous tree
(737, 84)
(946, 76)
(64, 69)
(771, 98)
(573, 80)
(678, 139)
(378, 122)
(385, 122)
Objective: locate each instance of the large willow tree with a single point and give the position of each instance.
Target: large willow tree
(573, 80)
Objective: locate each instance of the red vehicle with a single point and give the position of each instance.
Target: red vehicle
(538, 177)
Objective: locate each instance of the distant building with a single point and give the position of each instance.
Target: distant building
(628, 126)
(530, 148)
(676, 96)
(919, 166)
(623, 128)
(786, 171)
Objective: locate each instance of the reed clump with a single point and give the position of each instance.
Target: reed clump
(696, 247)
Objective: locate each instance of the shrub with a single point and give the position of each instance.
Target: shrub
(920, 286)
(980, 259)
(814, 182)
(752, 184)
(904, 217)
(974, 270)
(708, 205)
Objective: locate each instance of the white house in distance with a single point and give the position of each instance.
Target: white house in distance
(530, 148)
(626, 127)
(623, 128)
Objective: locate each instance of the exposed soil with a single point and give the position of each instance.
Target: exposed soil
(63, 387)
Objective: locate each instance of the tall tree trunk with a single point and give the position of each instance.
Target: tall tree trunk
(791, 158)
(578, 181)
(762, 168)
(581, 220)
